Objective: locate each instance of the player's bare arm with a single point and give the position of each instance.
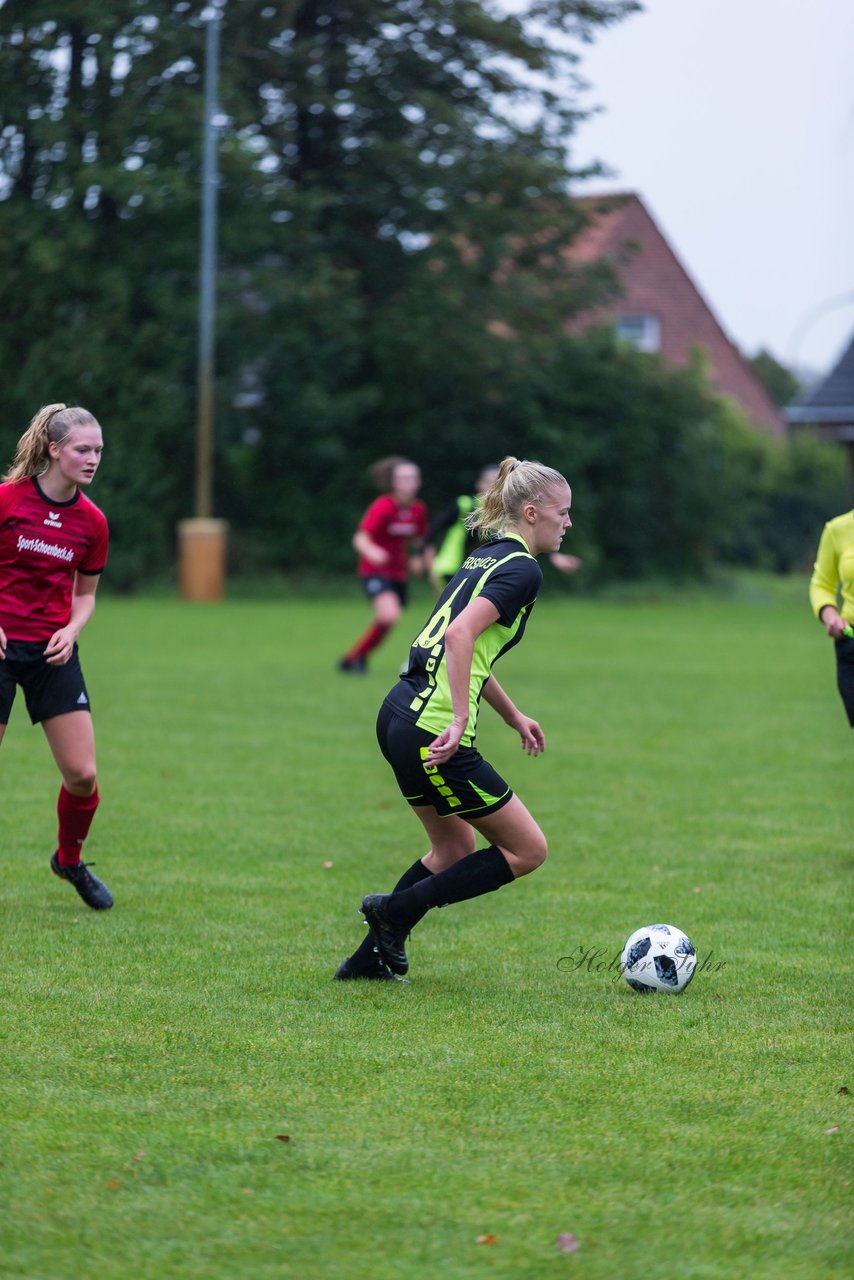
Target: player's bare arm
(365, 545)
(60, 646)
(531, 735)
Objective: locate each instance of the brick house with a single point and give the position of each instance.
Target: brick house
(661, 310)
(828, 407)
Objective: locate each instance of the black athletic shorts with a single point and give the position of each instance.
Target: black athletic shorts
(48, 691)
(376, 584)
(845, 673)
(466, 785)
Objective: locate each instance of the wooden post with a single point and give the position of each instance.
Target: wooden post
(201, 558)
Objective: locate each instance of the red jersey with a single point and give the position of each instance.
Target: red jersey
(43, 544)
(392, 526)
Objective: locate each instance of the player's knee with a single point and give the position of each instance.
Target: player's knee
(388, 614)
(387, 608)
(532, 854)
(539, 851)
(80, 781)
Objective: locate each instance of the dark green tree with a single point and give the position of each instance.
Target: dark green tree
(100, 114)
(415, 218)
(391, 171)
(394, 217)
(780, 383)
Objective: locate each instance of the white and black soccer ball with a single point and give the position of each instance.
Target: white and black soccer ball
(659, 957)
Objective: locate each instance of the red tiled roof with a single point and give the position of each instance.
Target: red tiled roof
(654, 282)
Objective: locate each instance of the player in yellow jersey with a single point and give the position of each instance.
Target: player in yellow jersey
(427, 725)
(834, 573)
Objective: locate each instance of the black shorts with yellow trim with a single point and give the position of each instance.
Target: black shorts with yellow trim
(466, 786)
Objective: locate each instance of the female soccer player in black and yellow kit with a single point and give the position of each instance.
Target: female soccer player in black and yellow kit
(427, 724)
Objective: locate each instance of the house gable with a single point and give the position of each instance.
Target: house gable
(656, 286)
(828, 407)
(830, 402)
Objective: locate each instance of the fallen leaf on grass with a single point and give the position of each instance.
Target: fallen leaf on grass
(487, 1240)
(112, 1184)
(283, 1137)
(327, 864)
(567, 1242)
(140, 1155)
(834, 1128)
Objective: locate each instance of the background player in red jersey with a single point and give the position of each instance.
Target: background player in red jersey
(53, 548)
(386, 532)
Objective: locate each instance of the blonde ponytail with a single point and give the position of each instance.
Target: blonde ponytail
(52, 425)
(518, 482)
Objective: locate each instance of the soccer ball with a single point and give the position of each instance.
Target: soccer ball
(658, 957)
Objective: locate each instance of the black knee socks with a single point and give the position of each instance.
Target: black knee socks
(481, 872)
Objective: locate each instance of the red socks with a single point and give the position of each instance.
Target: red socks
(75, 818)
(374, 636)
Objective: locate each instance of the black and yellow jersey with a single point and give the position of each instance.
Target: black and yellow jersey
(502, 571)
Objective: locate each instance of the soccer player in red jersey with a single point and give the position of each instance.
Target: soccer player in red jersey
(53, 548)
(386, 532)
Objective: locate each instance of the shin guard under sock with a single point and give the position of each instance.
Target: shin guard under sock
(75, 815)
(481, 872)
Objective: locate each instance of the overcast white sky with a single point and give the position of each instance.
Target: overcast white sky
(734, 120)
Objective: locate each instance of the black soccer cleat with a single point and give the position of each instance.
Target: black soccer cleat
(373, 971)
(354, 666)
(92, 890)
(391, 939)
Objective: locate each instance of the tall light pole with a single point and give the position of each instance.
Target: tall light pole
(207, 276)
(202, 539)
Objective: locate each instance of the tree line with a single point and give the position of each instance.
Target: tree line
(394, 202)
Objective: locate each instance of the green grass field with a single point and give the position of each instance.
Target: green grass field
(698, 771)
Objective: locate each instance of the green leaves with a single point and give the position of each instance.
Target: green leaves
(393, 220)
